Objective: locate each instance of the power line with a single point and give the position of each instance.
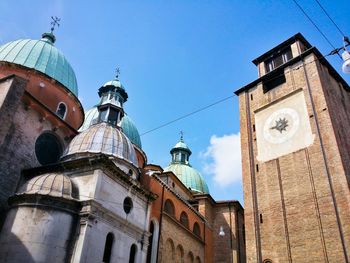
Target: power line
(187, 115)
(318, 29)
(222, 100)
(324, 10)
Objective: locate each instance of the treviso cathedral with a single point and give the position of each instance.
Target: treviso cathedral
(75, 184)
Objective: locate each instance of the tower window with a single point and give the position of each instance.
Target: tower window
(274, 82)
(278, 59)
(61, 110)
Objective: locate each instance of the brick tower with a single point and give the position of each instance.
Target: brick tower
(294, 123)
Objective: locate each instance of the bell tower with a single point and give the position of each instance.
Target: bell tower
(294, 123)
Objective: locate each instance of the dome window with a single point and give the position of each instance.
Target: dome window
(127, 205)
(61, 110)
(48, 148)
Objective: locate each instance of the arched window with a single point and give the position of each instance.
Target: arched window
(61, 110)
(150, 239)
(108, 248)
(190, 257)
(179, 254)
(169, 207)
(196, 229)
(133, 250)
(48, 148)
(169, 253)
(153, 241)
(184, 219)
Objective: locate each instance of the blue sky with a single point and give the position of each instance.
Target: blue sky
(176, 57)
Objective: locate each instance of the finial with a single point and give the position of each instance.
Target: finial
(54, 22)
(181, 136)
(117, 73)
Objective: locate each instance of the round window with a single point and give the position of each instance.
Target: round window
(48, 148)
(128, 205)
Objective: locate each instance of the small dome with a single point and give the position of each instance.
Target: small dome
(116, 83)
(42, 56)
(103, 138)
(181, 145)
(189, 176)
(52, 184)
(127, 125)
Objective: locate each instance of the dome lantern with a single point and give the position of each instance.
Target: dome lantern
(181, 167)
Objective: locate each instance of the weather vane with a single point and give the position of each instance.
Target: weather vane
(117, 73)
(181, 135)
(54, 22)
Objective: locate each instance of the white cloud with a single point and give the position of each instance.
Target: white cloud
(223, 159)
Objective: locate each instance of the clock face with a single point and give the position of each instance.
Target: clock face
(281, 125)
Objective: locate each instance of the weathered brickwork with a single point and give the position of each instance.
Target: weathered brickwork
(297, 205)
(19, 129)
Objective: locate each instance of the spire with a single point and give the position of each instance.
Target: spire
(50, 37)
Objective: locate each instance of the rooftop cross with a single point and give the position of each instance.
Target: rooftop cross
(181, 136)
(54, 22)
(117, 73)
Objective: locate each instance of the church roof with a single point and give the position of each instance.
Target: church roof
(127, 124)
(42, 56)
(181, 167)
(103, 138)
(52, 184)
(189, 176)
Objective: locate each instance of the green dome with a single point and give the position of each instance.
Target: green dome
(189, 176)
(127, 125)
(181, 167)
(42, 56)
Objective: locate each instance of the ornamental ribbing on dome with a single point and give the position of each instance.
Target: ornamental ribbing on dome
(52, 184)
(127, 124)
(181, 167)
(102, 138)
(42, 56)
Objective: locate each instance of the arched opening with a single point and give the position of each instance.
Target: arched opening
(108, 248)
(153, 241)
(48, 148)
(61, 110)
(196, 229)
(179, 254)
(190, 257)
(198, 260)
(169, 253)
(133, 250)
(169, 207)
(150, 241)
(184, 219)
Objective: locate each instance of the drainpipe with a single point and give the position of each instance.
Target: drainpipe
(229, 208)
(160, 221)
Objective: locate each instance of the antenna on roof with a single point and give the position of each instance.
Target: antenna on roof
(54, 22)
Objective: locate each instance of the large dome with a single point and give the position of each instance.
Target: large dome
(127, 125)
(42, 56)
(102, 138)
(189, 176)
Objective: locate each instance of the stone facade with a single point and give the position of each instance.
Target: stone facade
(297, 203)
